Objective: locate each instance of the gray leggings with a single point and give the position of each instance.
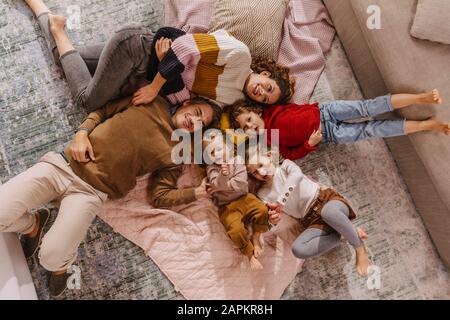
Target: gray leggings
(100, 73)
(314, 242)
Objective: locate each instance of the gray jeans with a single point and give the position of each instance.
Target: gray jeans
(314, 242)
(334, 114)
(100, 73)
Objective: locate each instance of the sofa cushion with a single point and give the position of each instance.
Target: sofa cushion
(432, 21)
(257, 23)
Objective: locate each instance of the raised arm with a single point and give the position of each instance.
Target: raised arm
(238, 182)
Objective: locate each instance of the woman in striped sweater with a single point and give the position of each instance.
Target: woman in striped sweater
(170, 62)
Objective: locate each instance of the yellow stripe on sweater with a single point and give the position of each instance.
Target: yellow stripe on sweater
(207, 73)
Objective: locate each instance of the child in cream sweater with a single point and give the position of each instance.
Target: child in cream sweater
(323, 212)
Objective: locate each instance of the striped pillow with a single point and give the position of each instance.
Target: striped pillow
(257, 23)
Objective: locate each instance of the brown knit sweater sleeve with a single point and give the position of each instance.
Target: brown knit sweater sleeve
(163, 190)
(98, 116)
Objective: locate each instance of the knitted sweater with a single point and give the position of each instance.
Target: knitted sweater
(213, 65)
(228, 188)
(295, 123)
(291, 188)
(128, 142)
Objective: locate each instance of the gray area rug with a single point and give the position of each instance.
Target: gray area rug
(37, 115)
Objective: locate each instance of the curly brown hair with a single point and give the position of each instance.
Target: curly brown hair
(240, 107)
(278, 73)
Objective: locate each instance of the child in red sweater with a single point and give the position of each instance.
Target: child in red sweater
(303, 127)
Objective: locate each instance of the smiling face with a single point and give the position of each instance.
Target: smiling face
(251, 122)
(192, 117)
(261, 167)
(263, 89)
(218, 151)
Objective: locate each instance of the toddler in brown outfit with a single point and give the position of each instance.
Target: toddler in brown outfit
(228, 184)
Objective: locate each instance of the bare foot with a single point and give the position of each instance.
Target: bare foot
(362, 260)
(362, 234)
(255, 264)
(436, 125)
(432, 97)
(57, 23)
(257, 247)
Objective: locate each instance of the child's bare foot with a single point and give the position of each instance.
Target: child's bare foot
(434, 124)
(57, 23)
(255, 264)
(432, 97)
(362, 234)
(257, 247)
(362, 256)
(362, 260)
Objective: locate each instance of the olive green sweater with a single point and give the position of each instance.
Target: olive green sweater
(128, 142)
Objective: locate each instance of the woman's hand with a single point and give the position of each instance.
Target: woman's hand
(149, 92)
(315, 138)
(81, 148)
(162, 45)
(144, 95)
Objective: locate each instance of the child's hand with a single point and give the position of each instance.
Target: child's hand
(315, 138)
(274, 212)
(274, 217)
(202, 190)
(274, 206)
(225, 169)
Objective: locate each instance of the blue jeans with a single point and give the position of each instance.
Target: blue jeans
(333, 115)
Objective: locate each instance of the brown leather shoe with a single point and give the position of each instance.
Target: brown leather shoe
(31, 245)
(57, 284)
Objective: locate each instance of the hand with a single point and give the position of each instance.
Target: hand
(274, 206)
(315, 138)
(145, 94)
(201, 190)
(274, 217)
(161, 47)
(274, 212)
(225, 169)
(81, 147)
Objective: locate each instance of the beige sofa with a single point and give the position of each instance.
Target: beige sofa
(391, 60)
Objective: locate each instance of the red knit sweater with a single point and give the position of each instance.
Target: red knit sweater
(295, 123)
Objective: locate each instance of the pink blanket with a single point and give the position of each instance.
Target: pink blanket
(191, 247)
(307, 35)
